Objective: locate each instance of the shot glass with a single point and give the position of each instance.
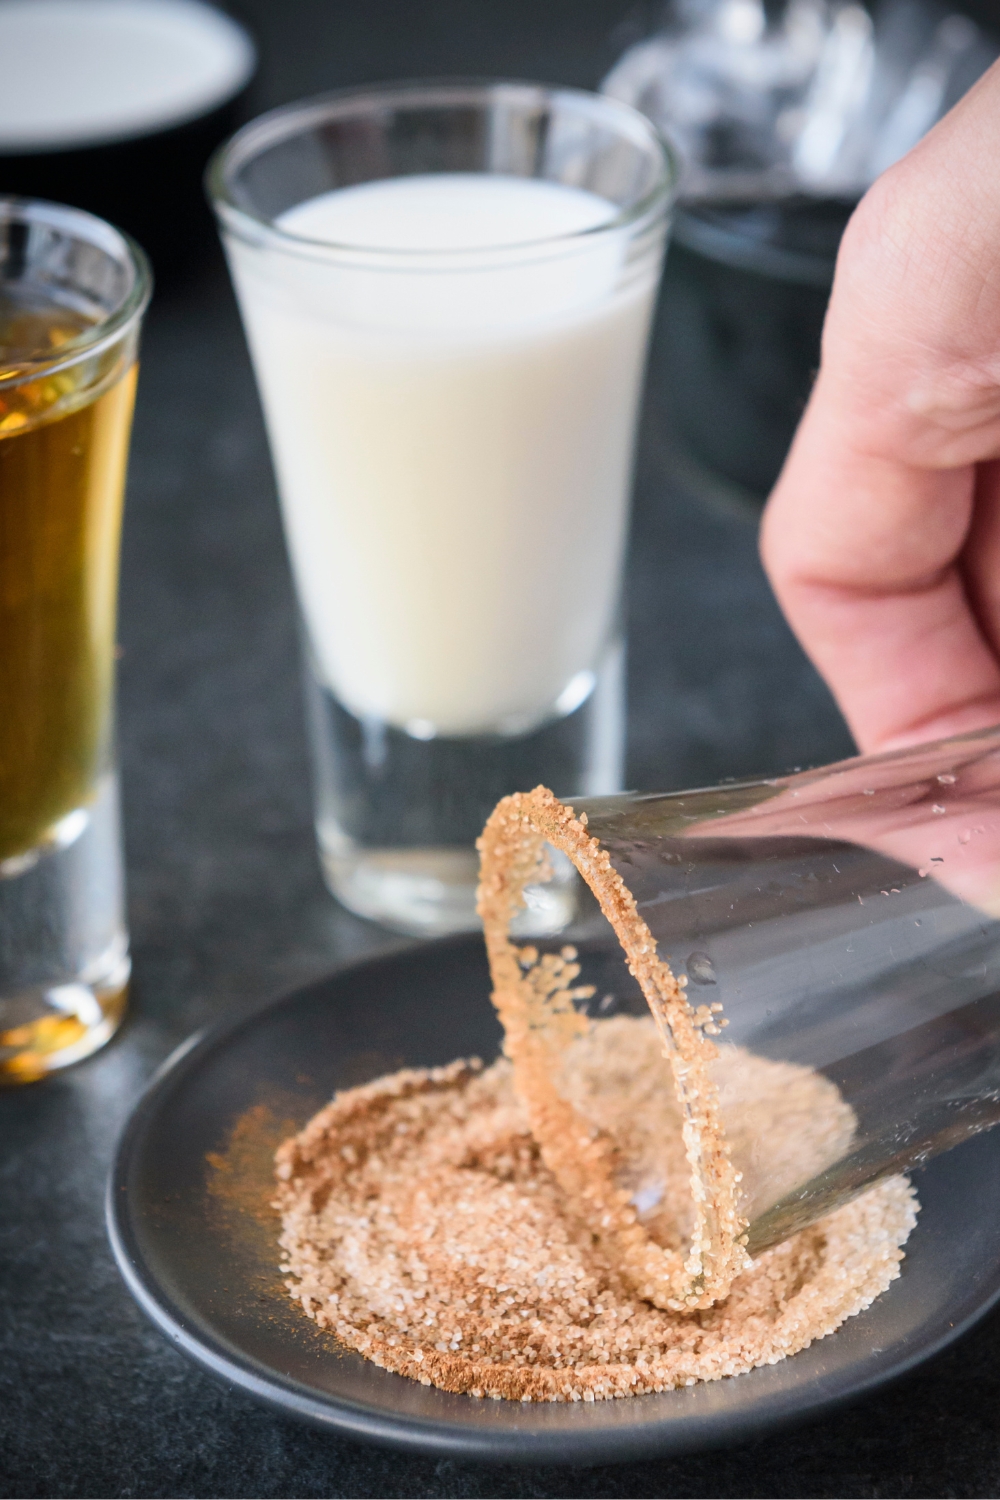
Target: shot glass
(72, 294)
(836, 934)
(447, 291)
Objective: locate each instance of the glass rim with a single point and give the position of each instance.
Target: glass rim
(96, 231)
(292, 119)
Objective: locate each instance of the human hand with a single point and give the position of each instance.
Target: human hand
(882, 536)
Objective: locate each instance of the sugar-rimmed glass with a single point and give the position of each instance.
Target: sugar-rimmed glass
(843, 923)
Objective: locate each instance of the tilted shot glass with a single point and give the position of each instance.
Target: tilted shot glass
(842, 924)
(72, 295)
(447, 291)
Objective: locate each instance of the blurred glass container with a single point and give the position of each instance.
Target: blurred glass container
(783, 114)
(741, 317)
(72, 294)
(114, 106)
(842, 924)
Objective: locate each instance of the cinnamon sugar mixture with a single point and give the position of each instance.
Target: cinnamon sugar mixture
(421, 1226)
(569, 1224)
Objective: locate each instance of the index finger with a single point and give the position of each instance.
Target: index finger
(865, 556)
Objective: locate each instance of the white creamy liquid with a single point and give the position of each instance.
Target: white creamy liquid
(452, 441)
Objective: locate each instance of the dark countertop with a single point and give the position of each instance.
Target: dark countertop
(227, 907)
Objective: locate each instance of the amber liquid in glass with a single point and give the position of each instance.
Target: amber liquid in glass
(63, 447)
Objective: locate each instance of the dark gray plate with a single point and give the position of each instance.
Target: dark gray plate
(206, 1272)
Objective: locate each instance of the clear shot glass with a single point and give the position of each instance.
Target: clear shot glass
(451, 408)
(836, 1017)
(72, 294)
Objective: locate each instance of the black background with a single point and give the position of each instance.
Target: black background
(226, 903)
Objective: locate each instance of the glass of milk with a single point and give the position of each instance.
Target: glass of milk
(447, 290)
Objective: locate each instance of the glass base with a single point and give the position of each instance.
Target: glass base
(432, 892)
(74, 1020)
(397, 817)
(64, 959)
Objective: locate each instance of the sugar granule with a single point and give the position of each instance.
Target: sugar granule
(421, 1226)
